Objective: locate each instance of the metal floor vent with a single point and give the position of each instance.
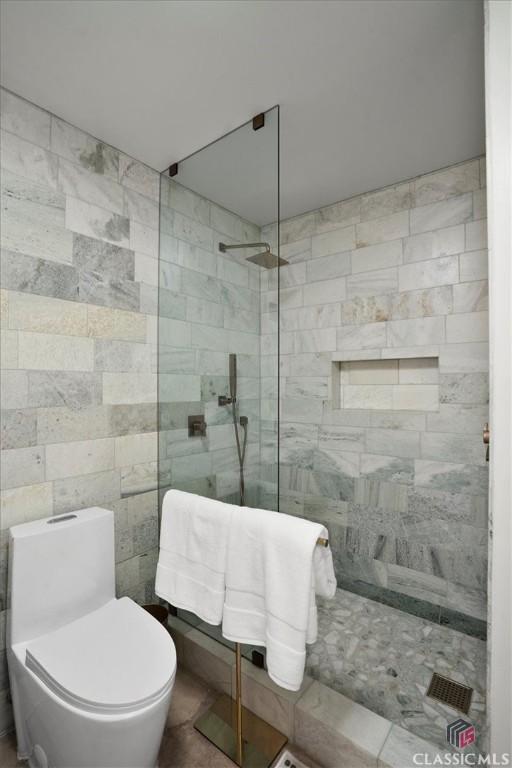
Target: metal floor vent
(450, 692)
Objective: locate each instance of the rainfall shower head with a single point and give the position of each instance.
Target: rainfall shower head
(265, 259)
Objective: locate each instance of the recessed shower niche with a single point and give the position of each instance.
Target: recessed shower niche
(397, 383)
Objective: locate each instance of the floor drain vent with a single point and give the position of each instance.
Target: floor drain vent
(450, 692)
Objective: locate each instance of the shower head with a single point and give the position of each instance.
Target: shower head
(265, 259)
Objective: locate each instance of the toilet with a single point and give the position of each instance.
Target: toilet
(91, 675)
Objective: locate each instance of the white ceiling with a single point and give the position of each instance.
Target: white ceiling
(371, 91)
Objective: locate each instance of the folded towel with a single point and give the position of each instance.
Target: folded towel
(193, 547)
(274, 570)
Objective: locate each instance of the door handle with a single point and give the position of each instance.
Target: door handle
(486, 437)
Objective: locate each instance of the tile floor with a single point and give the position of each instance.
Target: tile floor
(384, 658)
(182, 745)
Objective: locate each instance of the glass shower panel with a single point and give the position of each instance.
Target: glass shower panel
(217, 351)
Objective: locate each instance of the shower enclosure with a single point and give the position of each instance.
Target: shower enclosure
(319, 367)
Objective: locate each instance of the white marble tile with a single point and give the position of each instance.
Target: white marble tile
(384, 202)
(187, 202)
(97, 222)
(476, 235)
(141, 208)
(446, 183)
(337, 730)
(327, 267)
(35, 230)
(471, 297)
(418, 371)
(307, 386)
(441, 446)
(432, 245)
(480, 204)
(24, 119)
(310, 364)
(366, 336)
(473, 266)
(344, 213)
(75, 145)
(419, 332)
(428, 274)
(136, 449)
(315, 340)
(129, 388)
(211, 313)
(232, 271)
(14, 389)
(93, 188)
(393, 442)
(447, 213)
(28, 160)
(464, 358)
(335, 241)
(470, 326)
(342, 438)
(193, 232)
(406, 352)
(297, 251)
(335, 461)
(302, 410)
(458, 418)
(400, 748)
(416, 397)
(317, 316)
(378, 396)
(423, 303)
(377, 256)
(381, 230)
(139, 177)
(325, 291)
(372, 283)
(372, 372)
(22, 466)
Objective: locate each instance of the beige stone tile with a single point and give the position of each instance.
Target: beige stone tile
(30, 502)
(4, 306)
(29, 312)
(210, 660)
(335, 241)
(269, 701)
(79, 458)
(416, 397)
(473, 266)
(22, 466)
(41, 351)
(9, 349)
(467, 326)
(107, 323)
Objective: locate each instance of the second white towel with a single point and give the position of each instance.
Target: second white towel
(274, 569)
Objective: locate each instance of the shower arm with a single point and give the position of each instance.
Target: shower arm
(223, 247)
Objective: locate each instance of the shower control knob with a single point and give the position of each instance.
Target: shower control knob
(196, 426)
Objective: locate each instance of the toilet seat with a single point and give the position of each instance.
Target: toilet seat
(115, 660)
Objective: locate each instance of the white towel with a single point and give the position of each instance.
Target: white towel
(274, 569)
(193, 547)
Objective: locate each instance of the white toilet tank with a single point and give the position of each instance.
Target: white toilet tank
(60, 568)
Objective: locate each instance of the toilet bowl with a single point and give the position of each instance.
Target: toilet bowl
(91, 675)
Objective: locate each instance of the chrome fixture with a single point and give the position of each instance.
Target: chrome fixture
(265, 259)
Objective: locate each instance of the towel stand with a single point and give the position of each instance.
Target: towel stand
(243, 736)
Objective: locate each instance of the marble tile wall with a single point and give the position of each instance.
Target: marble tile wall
(388, 450)
(209, 308)
(79, 273)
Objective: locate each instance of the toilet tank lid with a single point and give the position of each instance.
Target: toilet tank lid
(114, 660)
(57, 522)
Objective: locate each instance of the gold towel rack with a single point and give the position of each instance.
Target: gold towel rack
(216, 723)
